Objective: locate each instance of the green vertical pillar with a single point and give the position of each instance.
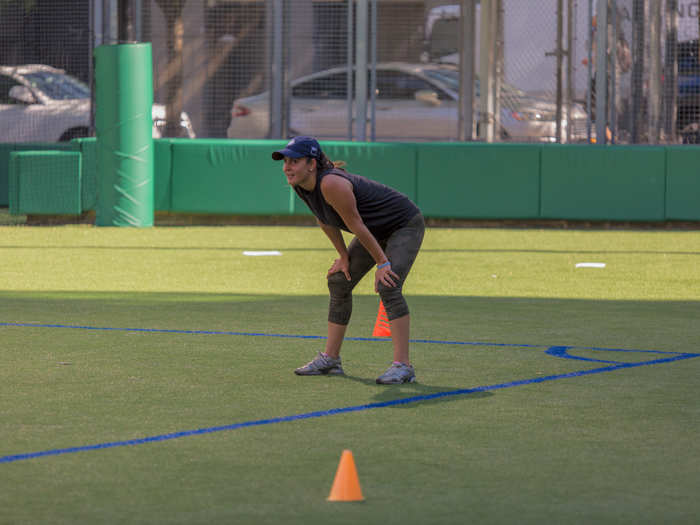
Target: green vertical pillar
(123, 121)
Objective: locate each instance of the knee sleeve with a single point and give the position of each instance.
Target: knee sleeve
(340, 307)
(394, 302)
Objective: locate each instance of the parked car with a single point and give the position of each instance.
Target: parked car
(40, 103)
(413, 102)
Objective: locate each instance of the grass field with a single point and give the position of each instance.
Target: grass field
(147, 378)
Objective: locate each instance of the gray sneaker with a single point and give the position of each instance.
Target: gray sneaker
(396, 374)
(320, 365)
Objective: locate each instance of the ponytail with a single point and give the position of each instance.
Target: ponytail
(325, 164)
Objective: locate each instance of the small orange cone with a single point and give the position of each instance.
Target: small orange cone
(382, 328)
(346, 485)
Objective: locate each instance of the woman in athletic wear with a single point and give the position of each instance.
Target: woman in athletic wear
(388, 231)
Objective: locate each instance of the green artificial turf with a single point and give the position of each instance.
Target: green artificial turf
(111, 335)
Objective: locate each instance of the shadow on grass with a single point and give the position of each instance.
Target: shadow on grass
(388, 393)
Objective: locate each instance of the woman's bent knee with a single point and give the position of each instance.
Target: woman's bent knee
(393, 301)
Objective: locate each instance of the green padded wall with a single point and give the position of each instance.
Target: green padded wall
(475, 180)
(603, 183)
(8, 147)
(5, 150)
(162, 174)
(683, 183)
(44, 182)
(88, 192)
(223, 176)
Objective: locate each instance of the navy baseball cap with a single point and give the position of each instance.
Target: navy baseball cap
(299, 147)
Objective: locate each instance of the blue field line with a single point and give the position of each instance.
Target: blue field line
(555, 351)
(300, 336)
(343, 410)
(249, 334)
(335, 411)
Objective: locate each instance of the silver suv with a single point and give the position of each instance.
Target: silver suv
(40, 103)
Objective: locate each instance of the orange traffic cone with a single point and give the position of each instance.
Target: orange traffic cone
(346, 485)
(382, 328)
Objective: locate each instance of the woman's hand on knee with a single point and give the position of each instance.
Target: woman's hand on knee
(341, 264)
(385, 276)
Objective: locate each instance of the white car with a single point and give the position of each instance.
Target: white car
(413, 102)
(40, 103)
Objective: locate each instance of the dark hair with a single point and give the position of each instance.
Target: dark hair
(325, 164)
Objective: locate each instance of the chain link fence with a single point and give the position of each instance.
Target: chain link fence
(366, 69)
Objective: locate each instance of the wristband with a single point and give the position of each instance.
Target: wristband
(380, 266)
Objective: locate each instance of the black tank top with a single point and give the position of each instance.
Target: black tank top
(383, 209)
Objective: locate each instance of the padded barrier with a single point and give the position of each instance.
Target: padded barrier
(452, 180)
(8, 147)
(223, 176)
(162, 174)
(603, 183)
(45, 182)
(88, 173)
(478, 181)
(683, 183)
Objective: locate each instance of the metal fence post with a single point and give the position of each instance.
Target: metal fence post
(486, 66)
(654, 71)
(560, 68)
(570, 57)
(589, 72)
(361, 71)
(671, 71)
(351, 59)
(466, 68)
(638, 35)
(373, 71)
(601, 73)
(110, 21)
(278, 108)
(498, 14)
(612, 71)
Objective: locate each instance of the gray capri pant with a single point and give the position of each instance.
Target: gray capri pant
(401, 248)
